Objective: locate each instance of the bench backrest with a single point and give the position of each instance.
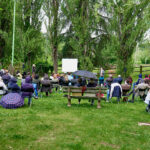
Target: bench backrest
(89, 91)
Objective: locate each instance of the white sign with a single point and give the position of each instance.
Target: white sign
(69, 65)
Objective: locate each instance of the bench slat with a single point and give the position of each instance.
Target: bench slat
(87, 91)
(83, 97)
(88, 88)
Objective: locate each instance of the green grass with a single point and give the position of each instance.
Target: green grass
(50, 125)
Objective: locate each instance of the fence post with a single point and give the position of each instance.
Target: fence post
(140, 69)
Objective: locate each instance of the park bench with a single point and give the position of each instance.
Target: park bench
(72, 92)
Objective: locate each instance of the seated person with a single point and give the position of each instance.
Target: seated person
(92, 83)
(74, 81)
(125, 89)
(3, 87)
(6, 77)
(46, 85)
(118, 80)
(13, 87)
(18, 74)
(147, 101)
(116, 90)
(70, 77)
(141, 89)
(66, 81)
(129, 81)
(146, 79)
(27, 89)
(140, 80)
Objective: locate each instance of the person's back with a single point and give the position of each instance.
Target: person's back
(109, 81)
(119, 79)
(91, 83)
(46, 84)
(27, 88)
(6, 78)
(13, 86)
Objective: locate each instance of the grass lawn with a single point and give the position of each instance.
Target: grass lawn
(50, 125)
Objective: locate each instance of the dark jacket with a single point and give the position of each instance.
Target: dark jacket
(109, 81)
(6, 78)
(117, 80)
(27, 88)
(13, 87)
(101, 80)
(92, 84)
(46, 84)
(139, 79)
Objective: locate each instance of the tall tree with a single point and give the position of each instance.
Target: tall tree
(80, 21)
(127, 24)
(51, 9)
(5, 26)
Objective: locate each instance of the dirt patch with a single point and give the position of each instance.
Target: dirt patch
(110, 145)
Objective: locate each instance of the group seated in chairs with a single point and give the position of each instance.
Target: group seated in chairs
(32, 86)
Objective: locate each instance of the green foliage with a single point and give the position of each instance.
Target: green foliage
(43, 67)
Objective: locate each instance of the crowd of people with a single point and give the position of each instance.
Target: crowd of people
(32, 84)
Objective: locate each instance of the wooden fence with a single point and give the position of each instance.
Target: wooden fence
(137, 69)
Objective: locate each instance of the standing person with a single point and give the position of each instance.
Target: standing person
(109, 81)
(70, 77)
(23, 66)
(33, 70)
(101, 80)
(102, 72)
(36, 85)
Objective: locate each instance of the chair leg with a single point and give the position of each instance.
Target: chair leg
(69, 102)
(98, 104)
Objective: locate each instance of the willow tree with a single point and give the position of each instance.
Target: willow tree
(28, 31)
(128, 21)
(51, 9)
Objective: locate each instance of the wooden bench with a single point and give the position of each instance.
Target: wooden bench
(90, 93)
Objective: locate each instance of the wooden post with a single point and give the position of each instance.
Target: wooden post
(99, 99)
(69, 98)
(141, 69)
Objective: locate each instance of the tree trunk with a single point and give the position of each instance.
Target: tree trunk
(55, 60)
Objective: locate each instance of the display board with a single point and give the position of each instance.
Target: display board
(69, 65)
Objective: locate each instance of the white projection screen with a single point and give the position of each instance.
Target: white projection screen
(69, 65)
